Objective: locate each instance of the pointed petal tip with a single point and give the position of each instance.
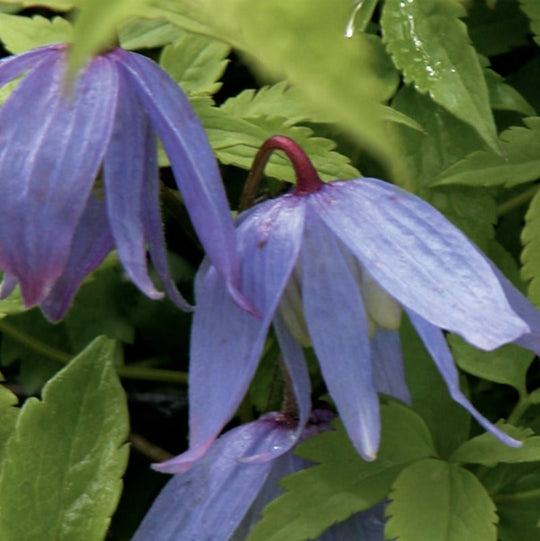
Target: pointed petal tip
(241, 301)
(184, 462)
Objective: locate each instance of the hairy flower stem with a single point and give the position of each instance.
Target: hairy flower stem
(289, 408)
(307, 179)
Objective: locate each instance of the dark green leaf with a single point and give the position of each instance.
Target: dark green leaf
(521, 161)
(8, 416)
(530, 256)
(532, 9)
(431, 46)
(507, 364)
(448, 422)
(437, 500)
(61, 476)
(343, 483)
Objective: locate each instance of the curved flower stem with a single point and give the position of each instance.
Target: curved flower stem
(519, 409)
(307, 179)
(125, 371)
(148, 449)
(516, 201)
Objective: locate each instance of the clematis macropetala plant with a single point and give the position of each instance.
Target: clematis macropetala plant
(320, 262)
(58, 223)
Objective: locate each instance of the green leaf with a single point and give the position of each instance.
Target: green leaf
(507, 364)
(303, 42)
(432, 499)
(147, 33)
(96, 26)
(505, 97)
(443, 141)
(521, 161)
(431, 46)
(343, 483)
(471, 210)
(57, 5)
(496, 29)
(530, 257)
(196, 63)
(236, 141)
(489, 451)
(532, 9)
(61, 476)
(8, 417)
(448, 422)
(22, 33)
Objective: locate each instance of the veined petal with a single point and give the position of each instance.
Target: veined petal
(153, 226)
(338, 328)
(193, 163)
(124, 174)
(387, 365)
(210, 500)
(49, 159)
(295, 363)
(12, 66)
(91, 244)
(226, 341)
(420, 258)
(437, 346)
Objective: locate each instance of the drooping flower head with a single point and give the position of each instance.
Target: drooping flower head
(348, 248)
(57, 223)
(222, 496)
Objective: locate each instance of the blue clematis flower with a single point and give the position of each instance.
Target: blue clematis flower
(343, 245)
(222, 496)
(58, 223)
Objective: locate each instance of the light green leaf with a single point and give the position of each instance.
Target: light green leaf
(487, 450)
(437, 500)
(507, 364)
(8, 416)
(521, 161)
(448, 422)
(196, 63)
(431, 46)
(303, 42)
(532, 9)
(236, 141)
(96, 26)
(267, 101)
(530, 257)
(147, 33)
(22, 33)
(13, 304)
(343, 483)
(61, 476)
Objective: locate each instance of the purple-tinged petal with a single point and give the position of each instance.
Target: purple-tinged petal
(295, 363)
(193, 163)
(91, 244)
(226, 341)
(124, 174)
(420, 258)
(338, 328)
(153, 227)
(50, 155)
(437, 346)
(12, 66)
(387, 365)
(209, 501)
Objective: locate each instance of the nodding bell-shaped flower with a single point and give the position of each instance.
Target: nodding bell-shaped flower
(327, 263)
(222, 496)
(57, 226)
